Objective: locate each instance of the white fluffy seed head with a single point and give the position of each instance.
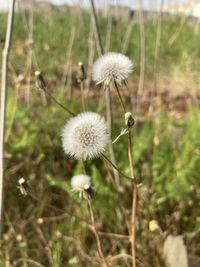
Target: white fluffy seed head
(80, 183)
(113, 67)
(85, 136)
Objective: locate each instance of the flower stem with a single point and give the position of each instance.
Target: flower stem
(116, 168)
(82, 94)
(134, 200)
(109, 126)
(98, 241)
(41, 84)
(120, 97)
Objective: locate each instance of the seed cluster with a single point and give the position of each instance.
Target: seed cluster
(85, 135)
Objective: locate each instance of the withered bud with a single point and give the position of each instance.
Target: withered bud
(129, 120)
(82, 71)
(40, 81)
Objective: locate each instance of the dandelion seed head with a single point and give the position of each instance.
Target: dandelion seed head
(80, 183)
(113, 67)
(85, 136)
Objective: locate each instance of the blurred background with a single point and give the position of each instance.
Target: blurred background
(45, 224)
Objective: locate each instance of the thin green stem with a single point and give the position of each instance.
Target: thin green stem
(120, 97)
(109, 126)
(58, 103)
(116, 168)
(82, 94)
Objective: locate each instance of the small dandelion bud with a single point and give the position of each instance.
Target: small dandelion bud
(82, 71)
(85, 136)
(129, 120)
(40, 82)
(112, 67)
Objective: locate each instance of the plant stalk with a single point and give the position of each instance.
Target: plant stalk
(107, 95)
(120, 97)
(134, 200)
(4, 85)
(115, 167)
(98, 241)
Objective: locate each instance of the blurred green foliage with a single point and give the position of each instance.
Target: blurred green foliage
(52, 33)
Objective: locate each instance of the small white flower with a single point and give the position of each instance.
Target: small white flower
(85, 136)
(80, 183)
(113, 67)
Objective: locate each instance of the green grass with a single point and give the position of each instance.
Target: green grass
(179, 42)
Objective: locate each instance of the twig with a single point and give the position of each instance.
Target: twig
(98, 241)
(4, 85)
(45, 244)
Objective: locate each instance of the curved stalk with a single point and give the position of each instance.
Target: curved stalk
(98, 241)
(115, 167)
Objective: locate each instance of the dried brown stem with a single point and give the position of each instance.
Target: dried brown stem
(134, 200)
(98, 241)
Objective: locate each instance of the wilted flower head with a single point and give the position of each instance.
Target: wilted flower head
(112, 67)
(85, 136)
(80, 182)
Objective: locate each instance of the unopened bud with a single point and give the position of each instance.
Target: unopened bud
(40, 82)
(82, 71)
(129, 120)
